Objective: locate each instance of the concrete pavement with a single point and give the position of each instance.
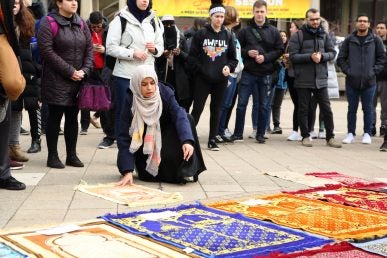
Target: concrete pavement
(236, 170)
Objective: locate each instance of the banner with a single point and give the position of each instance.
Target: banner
(199, 8)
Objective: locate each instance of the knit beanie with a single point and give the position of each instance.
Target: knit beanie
(217, 7)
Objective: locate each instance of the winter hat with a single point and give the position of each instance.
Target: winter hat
(167, 17)
(217, 7)
(27, 3)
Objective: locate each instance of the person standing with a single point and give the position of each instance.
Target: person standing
(361, 58)
(261, 47)
(212, 57)
(310, 49)
(7, 31)
(67, 60)
(381, 91)
(140, 43)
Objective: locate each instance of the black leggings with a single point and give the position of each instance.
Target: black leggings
(70, 128)
(35, 123)
(202, 89)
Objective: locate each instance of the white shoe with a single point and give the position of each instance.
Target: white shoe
(227, 133)
(313, 135)
(253, 134)
(294, 136)
(321, 135)
(349, 139)
(366, 139)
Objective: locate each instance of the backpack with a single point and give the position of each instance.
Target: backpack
(110, 61)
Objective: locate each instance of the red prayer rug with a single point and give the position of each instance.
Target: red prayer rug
(343, 179)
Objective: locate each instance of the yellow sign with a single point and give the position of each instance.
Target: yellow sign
(199, 8)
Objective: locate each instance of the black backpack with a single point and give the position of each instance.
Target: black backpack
(110, 61)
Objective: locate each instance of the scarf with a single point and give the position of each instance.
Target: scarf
(139, 14)
(146, 111)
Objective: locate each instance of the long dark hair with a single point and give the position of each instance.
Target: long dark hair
(26, 23)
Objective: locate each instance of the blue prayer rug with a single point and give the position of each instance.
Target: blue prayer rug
(215, 233)
(9, 252)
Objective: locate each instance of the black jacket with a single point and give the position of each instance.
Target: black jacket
(361, 62)
(210, 52)
(302, 44)
(270, 46)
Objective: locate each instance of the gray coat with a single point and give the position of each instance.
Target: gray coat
(307, 73)
(361, 62)
(70, 50)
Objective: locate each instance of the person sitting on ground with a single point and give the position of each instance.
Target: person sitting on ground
(156, 135)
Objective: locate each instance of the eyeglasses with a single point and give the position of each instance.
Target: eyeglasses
(362, 21)
(98, 26)
(313, 19)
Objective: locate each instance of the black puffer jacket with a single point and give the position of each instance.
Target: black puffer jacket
(302, 44)
(361, 62)
(70, 50)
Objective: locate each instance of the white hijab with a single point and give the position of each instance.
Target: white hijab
(146, 111)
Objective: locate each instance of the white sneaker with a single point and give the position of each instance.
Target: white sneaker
(313, 135)
(253, 134)
(349, 139)
(294, 136)
(321, 135)
(366, 139)
(227, 133)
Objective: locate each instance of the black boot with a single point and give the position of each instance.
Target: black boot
(384, 145)
(35, 146)
(73, 160)
(53, 161)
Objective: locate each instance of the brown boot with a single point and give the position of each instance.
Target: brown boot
(16, 153)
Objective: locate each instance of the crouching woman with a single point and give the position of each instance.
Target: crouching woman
(156, 138)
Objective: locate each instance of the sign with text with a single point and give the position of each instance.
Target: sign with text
(199, 8)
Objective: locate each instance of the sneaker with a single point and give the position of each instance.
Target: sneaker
(313, 135)
(349, 139)
(227, 133)
(61, 132)
(366, 139)
(11, 184)
(294, 137)
(24, 131)
(383, 147)
(260, 139)
(333, 143)
(94, 122)
(212, 145)
(269, 131)
(235, 138)
(14, 165)
(219, 139)
(253, 134)
(382, 130)
(276, 130)
(106, 143)
(83, 132)
(321, 135)
(307, 142)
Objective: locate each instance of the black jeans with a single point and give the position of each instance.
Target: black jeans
(70, 128)
(5, 172)
(202, 90)
(304, 103)
(276, 106)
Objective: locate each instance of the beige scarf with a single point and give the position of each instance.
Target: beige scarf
(146, 111)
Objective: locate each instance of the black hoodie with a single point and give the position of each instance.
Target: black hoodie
(210, 52)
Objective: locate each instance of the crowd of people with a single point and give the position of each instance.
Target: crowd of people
(160, 78)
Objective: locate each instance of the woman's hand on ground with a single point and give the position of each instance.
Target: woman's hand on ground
(126, 180)
(187, 151)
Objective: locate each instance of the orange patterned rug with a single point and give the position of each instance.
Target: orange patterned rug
(328, 219)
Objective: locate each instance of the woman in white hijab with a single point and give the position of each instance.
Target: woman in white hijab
(156, 136)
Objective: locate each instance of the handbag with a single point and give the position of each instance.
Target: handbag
(94, 95)
(11, 78)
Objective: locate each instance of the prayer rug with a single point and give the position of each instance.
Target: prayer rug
(302, 179)
(343, 179)
(98, 240)
(369, 200)
(9, 250)
(324, 218)
(376, 246)
(215, 233)
(338, 250)
(131, 195)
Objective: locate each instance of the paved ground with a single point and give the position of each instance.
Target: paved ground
(236, 170)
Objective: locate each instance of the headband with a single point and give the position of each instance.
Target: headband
(218, 9)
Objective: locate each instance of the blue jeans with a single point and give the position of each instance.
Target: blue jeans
(121, 86)
(366, 97)
(258, 87)
(228, 96)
